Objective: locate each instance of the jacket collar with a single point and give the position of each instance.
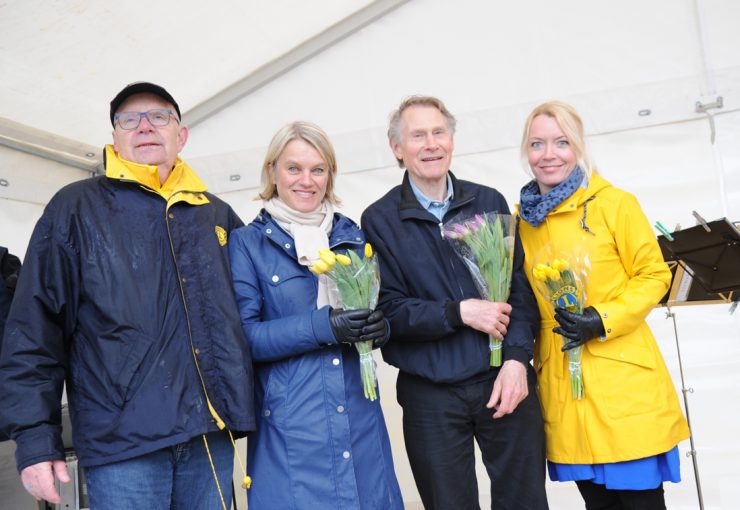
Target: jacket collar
(181, 185)
(596, 183)
(344, 231)
(409, 207)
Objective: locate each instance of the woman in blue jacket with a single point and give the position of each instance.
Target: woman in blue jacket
(319, 442)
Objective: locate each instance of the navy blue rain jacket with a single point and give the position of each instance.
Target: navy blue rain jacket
(119, 294)
(423, 281)
(319, 443)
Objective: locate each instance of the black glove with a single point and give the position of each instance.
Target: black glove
(578, 327)
(376, 328)
(347, 324)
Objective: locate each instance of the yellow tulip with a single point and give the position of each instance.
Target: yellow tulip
(319, 267)
(541, 267)
(328, 256)
(553, 274)
(368, 250)
(539, 275)
(343, 259)
(560, 264)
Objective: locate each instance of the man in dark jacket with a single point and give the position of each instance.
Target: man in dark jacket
(440, 327)
(10, 267)
(126, 295)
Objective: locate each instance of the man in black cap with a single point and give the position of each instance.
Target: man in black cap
(126, 295)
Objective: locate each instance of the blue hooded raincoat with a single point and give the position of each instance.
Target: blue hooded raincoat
(319, 443)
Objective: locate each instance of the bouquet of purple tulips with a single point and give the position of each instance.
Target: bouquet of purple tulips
(485, 242)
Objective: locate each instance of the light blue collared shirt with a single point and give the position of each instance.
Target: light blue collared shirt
(437, 208)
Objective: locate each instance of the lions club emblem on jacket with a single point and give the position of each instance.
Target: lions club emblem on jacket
(221, 235)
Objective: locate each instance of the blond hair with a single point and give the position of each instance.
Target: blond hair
(572, 126)
(312, 135)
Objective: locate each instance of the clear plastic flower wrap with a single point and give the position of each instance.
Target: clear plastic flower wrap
(485, 243)
(356, 283)
(560, 278)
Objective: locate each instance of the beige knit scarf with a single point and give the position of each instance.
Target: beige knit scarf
(310, 232)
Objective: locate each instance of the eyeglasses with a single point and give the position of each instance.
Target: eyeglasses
(159, 117)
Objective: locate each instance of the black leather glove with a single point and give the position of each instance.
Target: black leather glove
(347, 324)
(580, 328)
(376, 328)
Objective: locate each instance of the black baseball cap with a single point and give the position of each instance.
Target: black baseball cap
(141, 87)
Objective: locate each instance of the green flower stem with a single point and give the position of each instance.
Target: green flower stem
(495, 346)
(358, 284)
(577, 389)
(367, 369)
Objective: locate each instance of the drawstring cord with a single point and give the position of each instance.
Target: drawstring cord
(213, 469)
(246, 480)
(583, 219)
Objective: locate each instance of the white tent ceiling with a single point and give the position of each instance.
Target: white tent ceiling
(240, 69)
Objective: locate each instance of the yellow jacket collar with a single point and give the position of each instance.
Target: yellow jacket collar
(596, 183)
(182, 179)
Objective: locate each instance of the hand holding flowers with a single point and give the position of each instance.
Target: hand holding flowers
(485, 242)
(579, 328)
(560, 282)
(357, 282)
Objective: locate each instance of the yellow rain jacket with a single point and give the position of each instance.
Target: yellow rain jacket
(631, 409)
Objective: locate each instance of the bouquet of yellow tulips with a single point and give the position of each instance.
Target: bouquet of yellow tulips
(357, 282)
(485, 242)
(561, 281)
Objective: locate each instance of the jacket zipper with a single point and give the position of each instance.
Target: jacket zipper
(187, 313)
(452, 263)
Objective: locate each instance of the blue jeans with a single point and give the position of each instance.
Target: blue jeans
(174, 478)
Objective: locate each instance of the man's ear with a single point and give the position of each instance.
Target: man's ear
(182, 137)
(396, 148)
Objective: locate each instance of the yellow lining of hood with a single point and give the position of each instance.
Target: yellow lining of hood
(182, 185)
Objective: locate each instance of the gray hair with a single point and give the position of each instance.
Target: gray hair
(394, 123)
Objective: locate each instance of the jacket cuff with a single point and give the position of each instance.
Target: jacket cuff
(37, 446)
(516, 353)
(322, 327)
(452, 314)
(606, 321)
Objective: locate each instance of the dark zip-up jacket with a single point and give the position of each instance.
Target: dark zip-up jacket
(423, 282)
(121, 291)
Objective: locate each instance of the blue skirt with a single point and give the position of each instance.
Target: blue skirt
(640, 474)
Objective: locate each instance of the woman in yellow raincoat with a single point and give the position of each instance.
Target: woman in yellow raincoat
(618, 442)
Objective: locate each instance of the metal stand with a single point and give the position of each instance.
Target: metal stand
(692, 453)
(74, 493)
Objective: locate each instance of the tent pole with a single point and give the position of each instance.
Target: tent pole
(692, 453)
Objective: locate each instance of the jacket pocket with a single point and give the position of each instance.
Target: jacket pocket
(273, 398)
(288, 290)
(131, 374)
(625, 374)
(113, 373)
(542, 350)
(548, 366)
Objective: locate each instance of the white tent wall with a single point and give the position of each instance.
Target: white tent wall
(22, 199)
(491, 62)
